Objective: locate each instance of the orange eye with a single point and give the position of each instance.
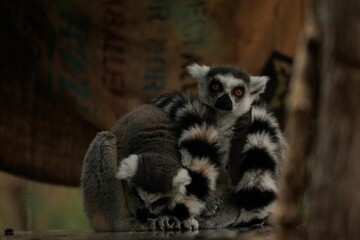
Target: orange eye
(238, 92)
(216, 86)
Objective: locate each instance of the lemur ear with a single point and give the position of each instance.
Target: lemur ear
(128, 167)
(197, 71)
(181, 179)
(258, 84)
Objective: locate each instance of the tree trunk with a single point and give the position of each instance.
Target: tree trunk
(334, 191)
(329, 57)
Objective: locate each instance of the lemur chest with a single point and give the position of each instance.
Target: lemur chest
(225, 126)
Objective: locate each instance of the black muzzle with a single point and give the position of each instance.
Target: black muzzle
(224, 103)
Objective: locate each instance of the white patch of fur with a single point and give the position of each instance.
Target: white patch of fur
(195, 108)
(194, 205)
(128, 167)
(197, 71)
(203, 132)
(258, 84)
(201, 165)
(260, 179)
(229, 81)
(263, 141)
(260, 113)
(246, 216)
(181, 179)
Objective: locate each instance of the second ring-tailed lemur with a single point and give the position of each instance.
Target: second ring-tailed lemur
(251, 141)
(156, 186)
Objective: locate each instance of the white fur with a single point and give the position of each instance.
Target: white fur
(261, 140)
(181, 179)
(200, 165)
(204, 132)
(258, 84)
(260, 113)
(194, 205)
(196, 108)
(259, 179)
(197, 71)
(246, 216)
(128, 167)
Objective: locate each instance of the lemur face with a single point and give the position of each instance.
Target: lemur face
(150, 205)
(227, 89)
(152, 184)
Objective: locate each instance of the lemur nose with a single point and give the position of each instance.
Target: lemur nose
(224, 103)
(144, 214)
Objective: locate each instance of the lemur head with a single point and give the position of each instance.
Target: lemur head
(227, 88)
(154, 182)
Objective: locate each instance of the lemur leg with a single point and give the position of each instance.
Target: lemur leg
(104, 199)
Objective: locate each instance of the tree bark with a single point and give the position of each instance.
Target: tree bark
(334, 191)
(328, 73)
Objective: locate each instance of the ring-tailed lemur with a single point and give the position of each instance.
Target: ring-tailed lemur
(250, 136)
(157, 187)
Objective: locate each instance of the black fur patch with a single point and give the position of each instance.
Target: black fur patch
(253, 198)
(200, 148)
(222, 70)
(257, 159)
(188, 120)
(181, 212)
(161, 201)
(143, 215)
(198, 186)
(241, 127)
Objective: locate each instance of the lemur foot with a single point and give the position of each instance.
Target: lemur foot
(166, 223)
(163, 223)
(189, 224)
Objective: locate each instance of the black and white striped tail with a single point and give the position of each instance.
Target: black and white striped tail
(198, 144)
(259, 168)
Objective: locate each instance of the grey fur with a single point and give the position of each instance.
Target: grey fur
(104, 200)
(144, 139)
(109, 203)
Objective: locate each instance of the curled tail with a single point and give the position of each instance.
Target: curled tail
(259, 167)
(199, 147)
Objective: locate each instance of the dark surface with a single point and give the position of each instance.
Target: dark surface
(243, 234)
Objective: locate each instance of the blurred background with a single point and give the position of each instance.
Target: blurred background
(70, 68)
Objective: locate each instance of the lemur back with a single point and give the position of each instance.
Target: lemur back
(151, 165)
(141, 149)
(252, 145)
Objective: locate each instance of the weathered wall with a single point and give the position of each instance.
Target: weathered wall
(71, 68)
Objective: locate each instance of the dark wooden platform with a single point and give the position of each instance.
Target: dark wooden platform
(265, 233)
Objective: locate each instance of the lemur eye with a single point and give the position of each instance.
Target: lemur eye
(238, 92)
(215, 86)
